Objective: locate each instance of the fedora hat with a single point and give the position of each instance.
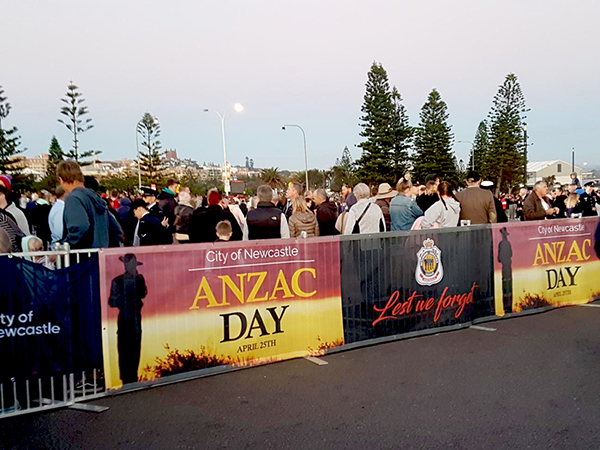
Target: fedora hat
(385, 191)
(129, 257)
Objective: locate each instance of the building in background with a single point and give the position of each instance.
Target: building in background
(543, 170)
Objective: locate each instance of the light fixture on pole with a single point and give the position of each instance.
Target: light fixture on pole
(225, 172)
(305, 154)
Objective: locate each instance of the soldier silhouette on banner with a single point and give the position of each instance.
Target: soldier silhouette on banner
(505, 258)
(126, 293)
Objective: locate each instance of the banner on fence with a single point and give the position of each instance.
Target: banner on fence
(403, 283)
(172, 310)
(49, 320)
(545, 263)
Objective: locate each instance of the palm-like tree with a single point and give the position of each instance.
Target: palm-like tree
(273, 177)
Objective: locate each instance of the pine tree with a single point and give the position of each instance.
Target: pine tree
(55, 155)
(377, 123)
(433, 142)
(480, 151)
(75, 122)
(152, 158)
(402, 134)
(505, 160)
(343, 171)
(9, 139)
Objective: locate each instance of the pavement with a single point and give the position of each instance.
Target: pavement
(534, 383)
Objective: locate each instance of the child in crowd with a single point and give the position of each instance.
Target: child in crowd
(224, 231)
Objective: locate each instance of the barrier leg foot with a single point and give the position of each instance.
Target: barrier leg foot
(317, 361)
(89, 407)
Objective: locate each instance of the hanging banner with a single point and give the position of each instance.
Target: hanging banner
(170, 310)
(545, 263)
(49, 321)
(394, 284)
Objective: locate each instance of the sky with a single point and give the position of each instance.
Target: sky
(296, 62)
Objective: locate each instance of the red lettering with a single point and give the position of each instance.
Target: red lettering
(390, 303)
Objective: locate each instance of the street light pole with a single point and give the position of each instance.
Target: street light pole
(137, 148)
(525, 154)
(238, 108)
(573, 160)
(305, 153)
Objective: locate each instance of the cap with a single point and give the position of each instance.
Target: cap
(138, 203)
(589, 183)
(147, 192)
(6, 181)
(487, 183)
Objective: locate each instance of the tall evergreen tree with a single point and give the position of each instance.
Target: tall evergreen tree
(74, 120)
(152, 158)
(480, 151)
(55, 155)
(9, 139)
(433, 142)
(402, 134)
(505, 160)
(377, 123)
(343, 171)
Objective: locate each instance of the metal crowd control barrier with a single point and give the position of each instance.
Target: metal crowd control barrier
(45, 393)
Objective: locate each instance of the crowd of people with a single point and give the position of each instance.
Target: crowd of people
(78, 214)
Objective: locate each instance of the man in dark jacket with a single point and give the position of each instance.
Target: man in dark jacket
(88, 224)
(266, 221)
(203, 223)
(167, 202)
(149, 230)
(500, 213)
(327, 213)
(537, 205)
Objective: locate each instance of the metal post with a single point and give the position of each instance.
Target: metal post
(525, 154)
(573, 160)
(137, 148)
(305, 152)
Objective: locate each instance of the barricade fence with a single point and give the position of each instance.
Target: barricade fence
(133, 317)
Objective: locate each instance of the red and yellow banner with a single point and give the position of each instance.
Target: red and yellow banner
(545, 263)
(169, 310)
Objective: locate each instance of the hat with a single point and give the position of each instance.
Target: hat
(385, 191)
(487, 183)
(504, 231)
(589, 183)
(147, 192)
(129, 257)
(5, 180)
(214, 197)
(138, 203)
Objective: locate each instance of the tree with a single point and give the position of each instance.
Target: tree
(343, 172)
(273, 177)
(377, 122)
(402, 134)
(316, 179)
(152, 158)
(505, 160)
(433, 142)
(9, 139)
(75, 121)
(480, 151)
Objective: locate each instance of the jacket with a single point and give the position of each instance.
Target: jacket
(166, 202)
(88, 224)
(151, 232)
(372, 221)
(327, 214)
(266, 221)
(303, 221)
(19, 217)
(403, 212)
(533, 208)
(385, 210)
(203, 224)
(477, 205)
(444, 215)
(183, 213)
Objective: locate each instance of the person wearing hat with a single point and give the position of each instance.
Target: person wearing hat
(476, 204)
(588, 200)
(126, 293)
(500, 213)
(149, 195)
(149, 230)
(505, 255)
(203, 222)
(575, 180)
(384, 196)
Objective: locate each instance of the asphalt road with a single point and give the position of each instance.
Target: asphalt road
(532, 384)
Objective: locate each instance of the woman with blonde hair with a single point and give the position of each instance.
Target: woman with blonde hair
(302, 219)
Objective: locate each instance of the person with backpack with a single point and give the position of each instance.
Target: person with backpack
(365, 216)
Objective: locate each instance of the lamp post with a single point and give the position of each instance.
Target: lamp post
(305, 154)
(573, 160)
(472, 152)
(238, 108)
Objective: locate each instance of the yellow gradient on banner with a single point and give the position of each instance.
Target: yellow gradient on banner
(532, 286)
(305, 325)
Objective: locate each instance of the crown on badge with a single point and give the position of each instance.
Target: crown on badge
(429, 243)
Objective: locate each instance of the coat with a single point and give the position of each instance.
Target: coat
(303, 221)
(203, 224)
(477, 205)
(533, 208)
